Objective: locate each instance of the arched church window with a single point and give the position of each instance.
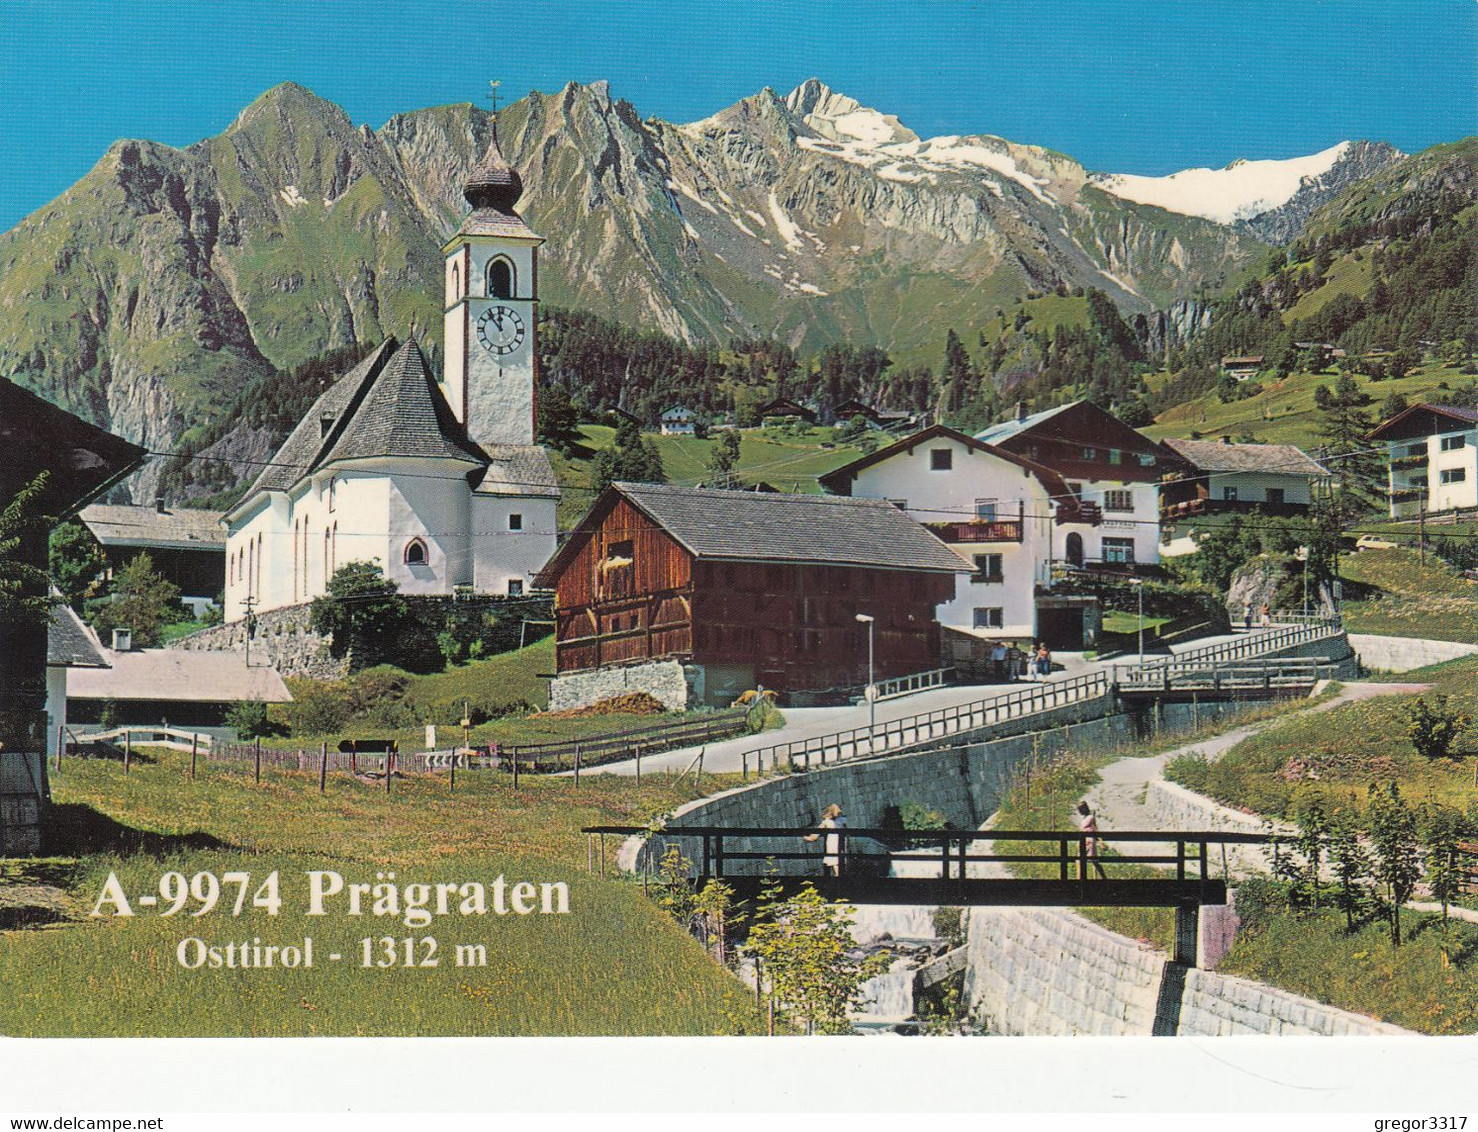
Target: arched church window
(333, 493)
(456, 282)
(500, 279)
(415, 553)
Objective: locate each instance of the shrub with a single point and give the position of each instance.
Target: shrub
(318, 708)
(249, 717)
(1433, 728)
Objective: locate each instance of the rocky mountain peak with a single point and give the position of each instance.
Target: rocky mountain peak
(843, 119)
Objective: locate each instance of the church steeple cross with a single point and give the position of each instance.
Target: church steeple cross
(493, 97)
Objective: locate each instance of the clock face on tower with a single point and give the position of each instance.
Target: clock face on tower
(500, 330)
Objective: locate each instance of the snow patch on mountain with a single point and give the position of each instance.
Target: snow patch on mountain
(1241, 191)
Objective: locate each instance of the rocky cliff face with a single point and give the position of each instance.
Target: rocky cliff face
(166, 277)
(1359, 161)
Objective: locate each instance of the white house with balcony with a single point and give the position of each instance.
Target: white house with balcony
(1110, 469)
(996, 510)
(1431, 459)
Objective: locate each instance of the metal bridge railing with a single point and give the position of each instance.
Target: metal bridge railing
(897, 734)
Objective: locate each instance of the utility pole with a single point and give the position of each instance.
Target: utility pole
(1139, 584)
(251, 625)
(1421, 541)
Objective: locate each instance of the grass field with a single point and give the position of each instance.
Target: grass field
(1284, 413)
(615, 964)
(788, 462)
(1410, 599)
(1336, 755)
(1309, 953)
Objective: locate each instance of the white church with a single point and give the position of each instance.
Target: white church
(438, 481)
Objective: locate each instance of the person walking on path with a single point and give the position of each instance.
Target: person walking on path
(832, 819)
(1044, 661)
(1089, 825)
(1247, 616)
(1265, 615)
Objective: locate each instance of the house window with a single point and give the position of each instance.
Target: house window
(1090, 453)
(1454, 475)
(1119, 551)
(987, 569)
(941, 459)
(415, 553)
(515, 522)
(1275, 495)
(1118, 501)
(985, 510)
(500, 279)
(515, 587)
(1229, 494)
(1115, 456)
(1416, 449)
(1453, 443)
(988, 617)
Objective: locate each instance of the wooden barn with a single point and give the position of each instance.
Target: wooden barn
(745, 588)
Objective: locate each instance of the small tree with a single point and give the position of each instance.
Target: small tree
(559, 423)
(23, 587)
(363, 612)
(143, 601)
(806, 951)
(1442, 829)
(1433, 728)
(1312, 841)
(724, 459)
(76, 563)
(1351, 866)
(249, 717)
(1393, 839)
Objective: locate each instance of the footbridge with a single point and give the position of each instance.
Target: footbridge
(955, 867)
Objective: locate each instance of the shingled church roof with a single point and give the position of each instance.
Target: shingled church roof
(389, 405)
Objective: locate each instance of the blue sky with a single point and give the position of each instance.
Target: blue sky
(1137, 86)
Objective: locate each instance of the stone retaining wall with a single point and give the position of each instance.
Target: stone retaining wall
(1045, 972)
(666, 680)
(284, 638)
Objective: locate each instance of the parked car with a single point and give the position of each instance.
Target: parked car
(1374, 542)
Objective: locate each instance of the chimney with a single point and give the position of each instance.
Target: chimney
(1021, 411)
(159, 504)
(122, 640)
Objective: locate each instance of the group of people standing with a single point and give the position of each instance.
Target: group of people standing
(1039, 661)
(1264, 616)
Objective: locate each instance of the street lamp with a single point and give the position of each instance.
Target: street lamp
(872, 688)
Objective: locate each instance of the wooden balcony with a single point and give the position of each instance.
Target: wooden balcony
(1409, 463)
(978, 530)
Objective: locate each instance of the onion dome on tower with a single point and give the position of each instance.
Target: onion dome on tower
(493, 183)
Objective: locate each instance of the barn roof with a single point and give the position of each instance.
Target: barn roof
(82, 460)
(747, 526)
(1272, 459)
(178, 528)
(178, 676)
(70, 643)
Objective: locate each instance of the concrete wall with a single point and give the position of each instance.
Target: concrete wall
(1402, 654)
(1045, 972)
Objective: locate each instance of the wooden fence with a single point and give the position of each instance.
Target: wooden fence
(632, 743)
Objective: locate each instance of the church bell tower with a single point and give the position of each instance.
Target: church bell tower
(491, 309)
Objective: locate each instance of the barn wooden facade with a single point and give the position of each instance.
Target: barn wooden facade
(749, 588)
